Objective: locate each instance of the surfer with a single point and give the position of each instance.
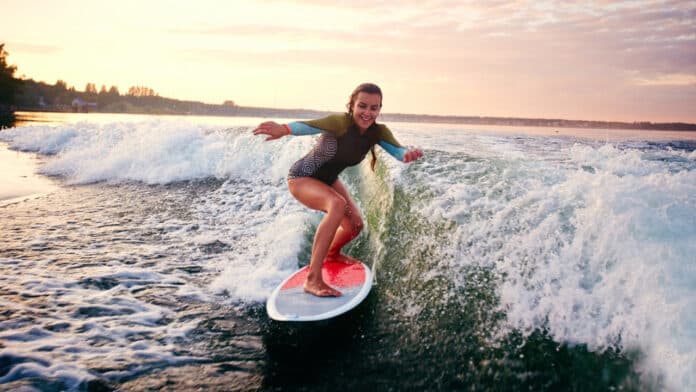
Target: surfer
(313, 180)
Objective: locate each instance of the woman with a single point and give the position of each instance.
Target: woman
(313, 180)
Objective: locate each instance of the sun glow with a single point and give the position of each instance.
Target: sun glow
(523, 59)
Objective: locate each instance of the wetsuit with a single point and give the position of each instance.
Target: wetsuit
(339, 146)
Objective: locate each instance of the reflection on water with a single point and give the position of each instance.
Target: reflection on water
(18, 177)
(42, 118)
(39, 118)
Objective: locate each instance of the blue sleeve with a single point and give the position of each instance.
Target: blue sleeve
(298, 128)
(396, 152)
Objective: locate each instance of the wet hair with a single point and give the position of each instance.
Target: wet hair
(368, 88)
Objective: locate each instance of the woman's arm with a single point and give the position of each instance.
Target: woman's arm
(388, 142)
(276, 131)
(298, 128)
(395, 151)
(401, 153)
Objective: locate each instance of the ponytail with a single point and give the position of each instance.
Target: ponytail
(373, 161)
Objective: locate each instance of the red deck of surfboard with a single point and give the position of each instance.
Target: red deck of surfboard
(289, 301)
(334, 273)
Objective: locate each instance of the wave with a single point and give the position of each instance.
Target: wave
(594, 247)
(154, 152)
(591, 243)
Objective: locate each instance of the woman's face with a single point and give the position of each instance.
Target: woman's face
(366, 109)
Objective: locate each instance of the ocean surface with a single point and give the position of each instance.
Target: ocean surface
(506, 259)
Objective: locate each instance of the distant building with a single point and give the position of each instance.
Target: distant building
(80, 106)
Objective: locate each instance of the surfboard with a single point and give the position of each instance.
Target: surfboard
(289, 302)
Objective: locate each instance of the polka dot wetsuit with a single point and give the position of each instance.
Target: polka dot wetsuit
(339, 146)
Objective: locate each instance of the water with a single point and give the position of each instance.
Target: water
(515, 259)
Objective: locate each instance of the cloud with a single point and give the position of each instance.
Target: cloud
(517, 44)
(668, 80)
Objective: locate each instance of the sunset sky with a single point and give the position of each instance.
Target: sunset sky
(594, 60)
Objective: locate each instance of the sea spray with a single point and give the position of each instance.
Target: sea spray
(591, 249)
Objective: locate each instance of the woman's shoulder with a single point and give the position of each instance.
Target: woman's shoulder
(382, 130)
(385, 134)
(334, 123)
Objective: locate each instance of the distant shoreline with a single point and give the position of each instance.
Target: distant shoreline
(37, 96)
(200, 109)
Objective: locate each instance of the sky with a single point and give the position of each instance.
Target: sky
(578, 60)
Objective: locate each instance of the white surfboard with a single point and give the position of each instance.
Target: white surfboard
(289, 302)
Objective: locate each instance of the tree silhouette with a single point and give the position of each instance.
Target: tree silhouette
(141, 91)
(91, 88)
(8, 83)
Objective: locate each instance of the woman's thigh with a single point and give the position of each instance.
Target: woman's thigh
(315, 194)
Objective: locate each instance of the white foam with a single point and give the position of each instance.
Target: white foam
(98, 331)
(267, 234)
(154, 151)
(596, 247)
(71, 376)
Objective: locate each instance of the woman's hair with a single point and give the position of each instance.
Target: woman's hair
(368, 88)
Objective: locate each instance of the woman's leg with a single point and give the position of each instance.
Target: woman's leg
(319, 196)
(350, 227)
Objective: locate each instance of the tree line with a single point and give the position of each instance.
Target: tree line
(31, 95)
(8, 86)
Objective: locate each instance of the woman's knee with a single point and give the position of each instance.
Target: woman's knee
(357, 227)
(336, 204)
(356, 221)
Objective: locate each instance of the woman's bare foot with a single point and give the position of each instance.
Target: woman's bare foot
(321, 289)
(341, 258)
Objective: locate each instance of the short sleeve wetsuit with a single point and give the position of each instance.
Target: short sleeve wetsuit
(339, 146)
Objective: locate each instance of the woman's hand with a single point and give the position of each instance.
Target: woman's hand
(272, 129)
(412, 154)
